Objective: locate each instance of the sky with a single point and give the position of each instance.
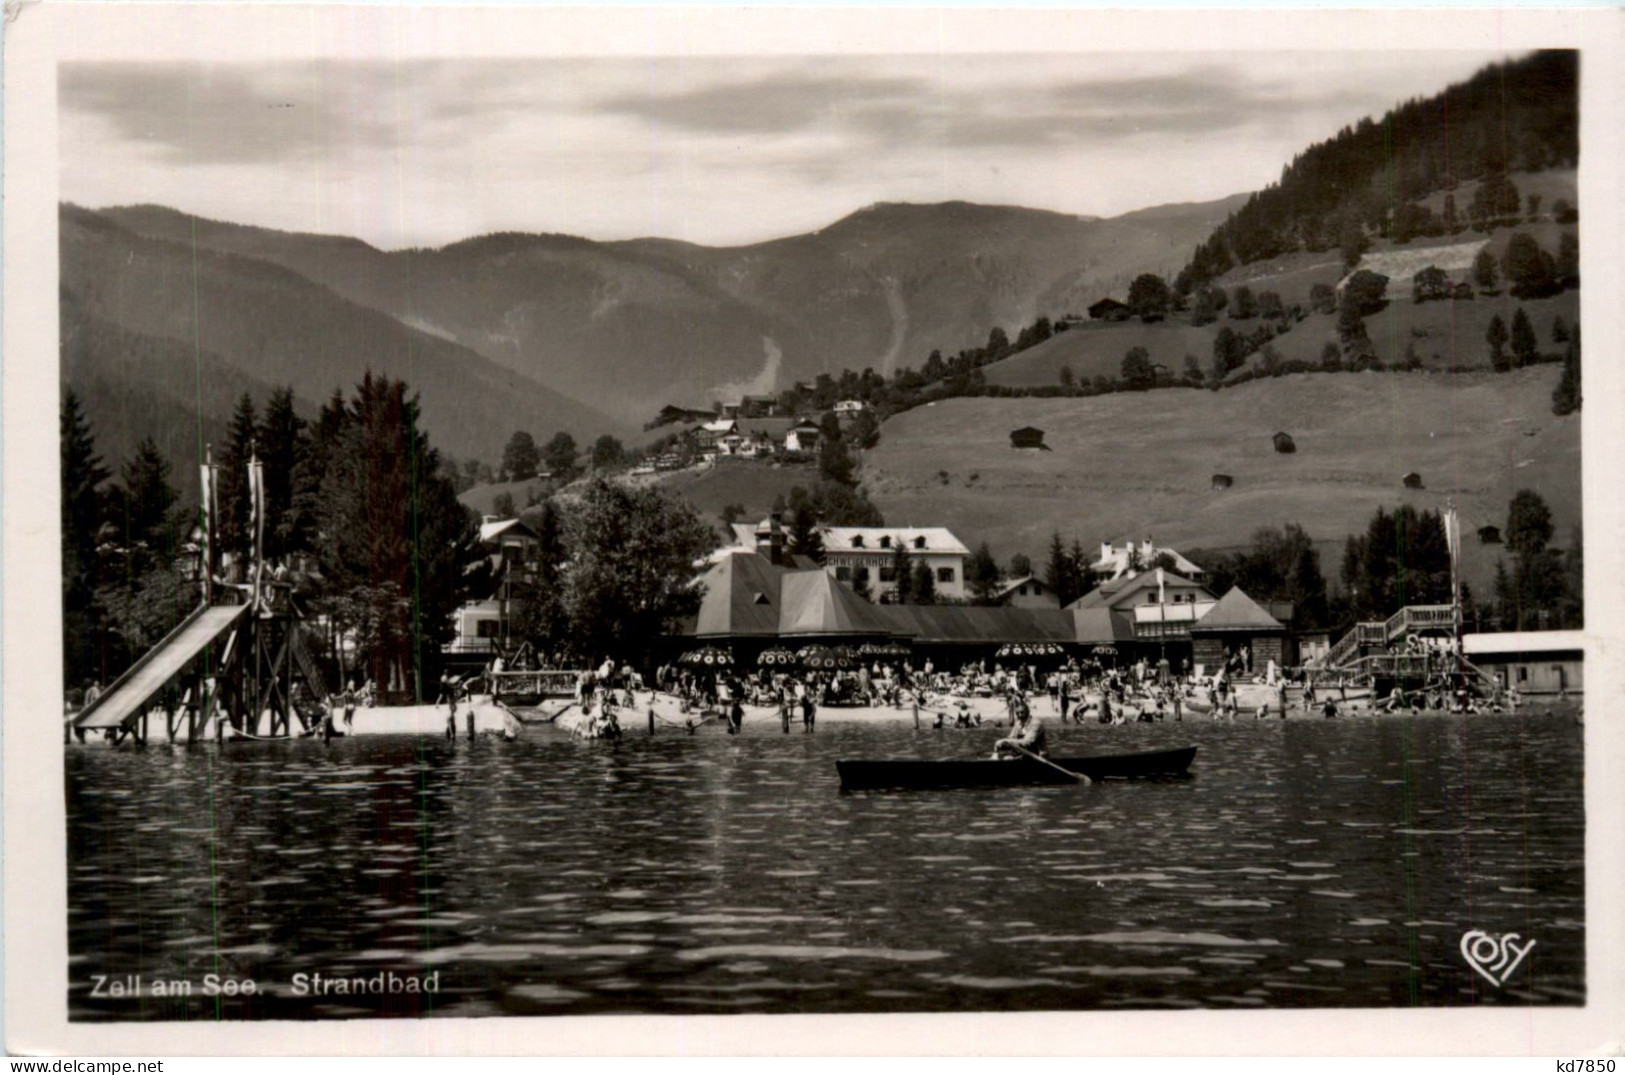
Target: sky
(714, 150)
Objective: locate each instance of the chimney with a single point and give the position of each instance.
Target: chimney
(488, 519)
(1105, 550)
(770, 539)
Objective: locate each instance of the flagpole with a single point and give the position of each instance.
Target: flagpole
(1453, 540)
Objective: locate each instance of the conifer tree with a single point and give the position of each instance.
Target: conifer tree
(282, 441)
(82, 474)
(232, 489)
(148, 497)
(1525, 348)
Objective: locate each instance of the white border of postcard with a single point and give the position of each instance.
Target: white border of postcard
(40, 35)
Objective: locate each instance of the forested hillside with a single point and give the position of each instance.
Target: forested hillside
(1375, 177)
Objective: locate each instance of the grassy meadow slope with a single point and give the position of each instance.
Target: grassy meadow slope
(1131, 464)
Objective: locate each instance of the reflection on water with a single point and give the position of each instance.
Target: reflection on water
(1304, 864)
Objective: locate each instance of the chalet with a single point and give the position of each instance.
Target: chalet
(850, 408)
(1223, 481)
(1412, 480)
(1489, 535)
(1109, 310)
(1028, 438)
(1027, 592)
(708, 437)
(510, 548)
(1153, 608)
(1285, 444)
(802, 437)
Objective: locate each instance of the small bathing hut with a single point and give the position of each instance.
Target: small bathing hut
(1412, 480)
(1223, 481)
(1285, 444)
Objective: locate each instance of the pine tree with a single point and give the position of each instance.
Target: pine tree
(982, 575)
(148, 497)
(1496, 336)
(1525, 348)
(902, 573)
(924, 590)
(232, 490)
(283, 441)
(805, 539)
(82, 473)
(396, 542)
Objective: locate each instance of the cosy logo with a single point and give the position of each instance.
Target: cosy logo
(1493, 957)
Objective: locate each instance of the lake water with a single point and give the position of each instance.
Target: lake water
(1304, 864)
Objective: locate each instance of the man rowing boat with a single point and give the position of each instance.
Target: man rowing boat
(1027, 735)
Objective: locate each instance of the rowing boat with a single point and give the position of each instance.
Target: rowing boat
(861, 775)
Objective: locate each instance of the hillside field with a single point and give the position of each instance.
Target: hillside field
(1130, 465)
(1445, 333)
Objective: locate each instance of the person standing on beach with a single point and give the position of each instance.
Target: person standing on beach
(348, 699)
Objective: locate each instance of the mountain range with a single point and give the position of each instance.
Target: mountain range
(546, 332)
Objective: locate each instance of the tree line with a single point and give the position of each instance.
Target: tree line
(359, 513)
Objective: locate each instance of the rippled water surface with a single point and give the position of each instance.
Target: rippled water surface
(1304, 864)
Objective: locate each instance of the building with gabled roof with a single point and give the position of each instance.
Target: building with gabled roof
(1026, 592)
(1237, 622)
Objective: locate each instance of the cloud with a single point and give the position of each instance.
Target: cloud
(214, 114)
(770, 104)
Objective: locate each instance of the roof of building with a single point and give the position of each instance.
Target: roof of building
(741, 597)
(746, 594)
(1513, 642)
(937, 538)
(805, 423)
(977, 625)
(1235, 611)
(1115, 560)
(491, 529)
(1007, 588)
(1114, 591)
(1101, 626)
(721, 425)
(815, 604)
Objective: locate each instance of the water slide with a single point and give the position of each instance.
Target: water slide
(132, 692)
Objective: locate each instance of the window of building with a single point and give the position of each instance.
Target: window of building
(861, 574)
(1523, 674)
(945, 574)
(857, 542)
(843, 573)
(885, 541)
(485, 628)
(888, 574)
(919, 543)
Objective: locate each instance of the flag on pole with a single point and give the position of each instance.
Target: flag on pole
(208, 512)
(256, 517)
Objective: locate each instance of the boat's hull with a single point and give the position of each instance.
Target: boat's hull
(1019, 772)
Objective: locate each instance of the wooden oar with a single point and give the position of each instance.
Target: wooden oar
(1082, 778)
